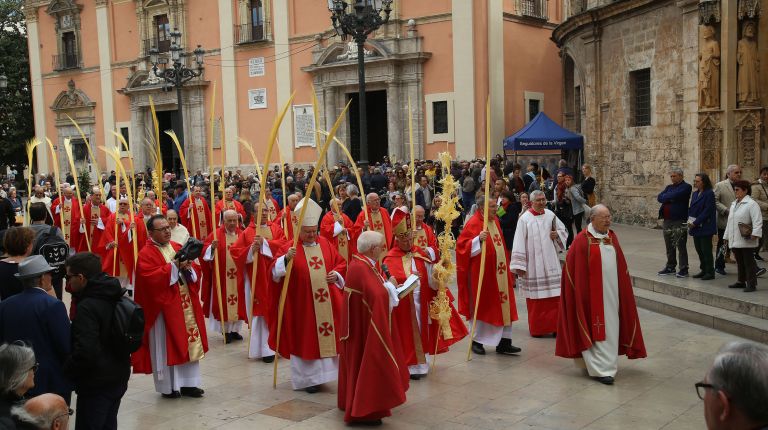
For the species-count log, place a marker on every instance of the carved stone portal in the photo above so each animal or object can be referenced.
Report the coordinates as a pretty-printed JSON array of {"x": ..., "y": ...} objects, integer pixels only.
[
  {"x": 749, "y": 126},
  {"x": 710, "y": 142}
]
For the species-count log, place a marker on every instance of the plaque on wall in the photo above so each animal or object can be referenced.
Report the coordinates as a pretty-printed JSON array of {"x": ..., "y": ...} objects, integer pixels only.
[
  {"x": 256, "y": 67},
  {"x": 257, "y": 98},
  {"x": 304, "y": 126}
]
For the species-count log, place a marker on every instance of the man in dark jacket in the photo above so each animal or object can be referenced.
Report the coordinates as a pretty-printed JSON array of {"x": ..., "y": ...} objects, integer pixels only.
[
  {"x": 7, "y": 214},
  {"x": 100, "y": 372},
  {"x": 674, "y": 211}
]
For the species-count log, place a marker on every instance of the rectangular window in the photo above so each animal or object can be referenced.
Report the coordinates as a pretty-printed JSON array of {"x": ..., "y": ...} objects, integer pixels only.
[
  {"x": 534, "y": 8},
  {"x": 257, "y": 20},
  {"x": 440, "y": 117},
  {"x": 79, "y": 151},
  {"x": 640, "y": 94},
  {"x": 162, "y": 33},
  {"x": 69, "y": 56},
  {"x": 126, "y": 135},
  {"x": 533, "y": 108}
]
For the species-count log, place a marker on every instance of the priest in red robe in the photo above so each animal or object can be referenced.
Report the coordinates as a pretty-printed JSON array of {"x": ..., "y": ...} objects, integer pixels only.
[
  {"x": 229, "y": 202},
  {"x": 66, "y": 216},
  {"x": 373, "y": 378},
  {"x": 335, "y": 228},
  {"x": 417, "y": 332},
  {"x": 93, "y": 225},
  {"x": 375, "y": 219},
  {"x": 261, "y": 244},
  {"x": 598, "y": 315},
  {"x": 309, "y": 333},
  {"x": 227, "y": 294},
  {"x": 497, "y": 309},
  {"x": 288, "y": 219},
  {"x": 130, "y": 228},
  {"x": 424, "y": 237},
  {"x": 195, "y": 215},
  {"x": 174, "y": 335}
]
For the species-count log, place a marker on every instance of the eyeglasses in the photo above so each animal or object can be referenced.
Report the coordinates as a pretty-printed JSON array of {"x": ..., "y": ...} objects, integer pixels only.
[
  {"x": 701, "y": 388},
  {"x": 35, "y": 367},
  {"x": 69, "y": 412}
]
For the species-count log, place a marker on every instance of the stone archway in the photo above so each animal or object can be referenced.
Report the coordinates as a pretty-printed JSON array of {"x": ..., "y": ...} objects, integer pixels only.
[{"x": 391, "y": 65}]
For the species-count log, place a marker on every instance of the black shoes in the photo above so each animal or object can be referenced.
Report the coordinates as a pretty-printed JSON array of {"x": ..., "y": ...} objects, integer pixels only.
[
  {"x": 666, "y": 271},
  {"x": 698, "y": 275},
  {"x": 268, "y": 359},
  {"x": 760, "y": 271},
  {"x": 478, "y": 348},
  {"x": 416, "y": 377},
  {"x": 708, "y": 277},
  {"x": 313, "y": 389},
  {"x": 737, "y": 285},
  {"x": 682, "y": 274},
  {"x": 372, "y": 423},
  {"x": 750, "y": 289},
  {"x": 172, "y": 395},
  {"x": 192, "y": 392},
  {"x": 505, "y": 347},
  {"x": 720, "y": 272},
  {"x": 235, "y": 336},
  {"x": 607, "y": 380}
]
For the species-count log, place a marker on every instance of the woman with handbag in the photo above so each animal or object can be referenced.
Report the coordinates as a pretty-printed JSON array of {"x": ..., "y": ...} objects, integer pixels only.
[
  {"x": 742, "y": 233},
  {"x": 702, "y": 224}
]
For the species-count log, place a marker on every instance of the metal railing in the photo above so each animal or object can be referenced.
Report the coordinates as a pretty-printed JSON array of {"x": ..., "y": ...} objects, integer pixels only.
[
  {"x": 534, "y": 8},
  {"x": 153, "y": 43},
  {"x": 68, "y": 60},
  {"x": 246, "y": 33}
]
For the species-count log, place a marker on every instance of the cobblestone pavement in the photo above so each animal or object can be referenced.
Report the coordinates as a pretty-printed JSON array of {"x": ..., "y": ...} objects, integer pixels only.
[{"x": 533, "y": 390}]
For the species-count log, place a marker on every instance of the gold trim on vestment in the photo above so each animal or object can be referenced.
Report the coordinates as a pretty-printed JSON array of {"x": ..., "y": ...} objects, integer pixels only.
[
  {"x": 203, "y": 226},
  {"x": 420, "y": 359},
  {"x": 420, "y": 238},
  {"x": 230, "y": 276},
  {"x": 343, "y": 243},
  {"x": 265, "y": 232},
  {"x": 66, "y": 224},
  {"x": 321, "y": 299},
  {"x": 377, "y": 221},
  {"x": 576, "y": 298},
  {"x": 194, "y": 339},
  {"x": 500, "y": 269}
]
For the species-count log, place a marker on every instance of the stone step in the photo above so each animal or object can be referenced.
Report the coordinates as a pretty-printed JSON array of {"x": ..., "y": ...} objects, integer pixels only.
[
  {"x": 728, "y": 321},
  {"x": 711, "y": 293}
]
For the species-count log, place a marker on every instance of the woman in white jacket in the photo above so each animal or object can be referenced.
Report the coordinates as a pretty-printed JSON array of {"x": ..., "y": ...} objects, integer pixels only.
[{"x": 746, "y": 212}]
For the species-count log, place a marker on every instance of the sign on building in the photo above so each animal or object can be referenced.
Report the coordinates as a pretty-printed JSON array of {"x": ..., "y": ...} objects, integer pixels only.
[
  {"x": 304, "y": 125},
  {"x": 257, "y": 99},
  {"x": 256, "y": 67}
]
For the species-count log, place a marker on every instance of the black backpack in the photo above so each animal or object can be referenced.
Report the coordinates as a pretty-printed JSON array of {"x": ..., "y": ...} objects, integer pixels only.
[
  {"x": 127, "y": 326},
  {"x": 54, "y": 249}
]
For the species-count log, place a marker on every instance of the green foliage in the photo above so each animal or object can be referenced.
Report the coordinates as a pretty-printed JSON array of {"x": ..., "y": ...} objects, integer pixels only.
[
  {"x": 16, "y": 119},
  {"x": 84, "y": 181}
]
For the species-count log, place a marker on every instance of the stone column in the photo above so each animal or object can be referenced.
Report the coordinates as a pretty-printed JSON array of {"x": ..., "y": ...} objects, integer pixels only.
[
  {"x": 397, "y": 121},
  {"x": 729, "y": 30},
  {"x": 327, "y": 118},
  {"x": 138, "y": 151}
]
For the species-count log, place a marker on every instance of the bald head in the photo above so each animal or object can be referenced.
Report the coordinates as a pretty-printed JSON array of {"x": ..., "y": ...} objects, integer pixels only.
[
  {"x": 46, "y": 411},
  {"x": 293, "y": 200},
  {"x": 373, "y": 201},
  {"x": 418, "y": 214}
]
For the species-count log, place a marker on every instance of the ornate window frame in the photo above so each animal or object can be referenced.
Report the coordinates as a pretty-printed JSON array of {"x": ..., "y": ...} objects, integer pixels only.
[
  {"x": 147, "y": 10},
  {"x": 66, "y": 13},
  {"x": 243, "y": 27}
]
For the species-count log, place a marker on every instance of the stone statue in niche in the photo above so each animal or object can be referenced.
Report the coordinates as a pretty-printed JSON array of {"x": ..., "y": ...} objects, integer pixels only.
[
  {"x": 709, "y": 69},
  {"x": 747, "y": 84},
  {"x": 351, "y": 52}
]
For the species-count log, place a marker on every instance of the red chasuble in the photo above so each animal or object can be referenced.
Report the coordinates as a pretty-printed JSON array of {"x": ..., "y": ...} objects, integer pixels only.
[
  {"x": 124, "y": 247},
  {"x": 425, "y": 238},
  {"x": 185, "y": 336},
  {"x": 95, "y": 234},
  {"x": 196, "y": 217},
  {"x": 289, "y": 221},
  {"x": 378, "y": 221},
  {"x": 581, "y": 301},
  {"x": 223, "y": 205},
  {"x": 70, "y": 212},
  {"x": 231, "y": 283},
  {"x": 240, "y": 250},
  {"x": 303, "y": 328},
  {"x": 492, "y": 297},
  {"x": 340, "y": 242},
  {"x": 404, "y": 315},
  {"x": 372, "y": 376}
]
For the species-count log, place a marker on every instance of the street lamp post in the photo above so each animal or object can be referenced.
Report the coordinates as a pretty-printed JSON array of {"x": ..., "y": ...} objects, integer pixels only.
[
  {"x": 358, "y": 21},
  {"x": 176, "y": 75}
]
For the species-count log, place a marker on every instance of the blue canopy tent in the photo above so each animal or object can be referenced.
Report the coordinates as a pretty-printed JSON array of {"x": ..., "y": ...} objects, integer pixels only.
[{"x": 543, "y": 133}]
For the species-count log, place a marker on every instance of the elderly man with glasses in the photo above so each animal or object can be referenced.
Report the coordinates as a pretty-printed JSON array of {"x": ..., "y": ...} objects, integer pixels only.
[
  {"x": 735, "y": 388},
  {"x": 46, "y": 411}
]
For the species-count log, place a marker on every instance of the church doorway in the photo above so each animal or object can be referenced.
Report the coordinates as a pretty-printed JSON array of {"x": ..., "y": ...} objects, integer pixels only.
[
  {"x": 378, "y": 138},
  {"x": 167, "y": 121}
]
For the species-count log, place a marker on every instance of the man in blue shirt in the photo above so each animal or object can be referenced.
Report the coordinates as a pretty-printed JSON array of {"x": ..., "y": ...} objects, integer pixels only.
[{"x": 674, "y": 211}]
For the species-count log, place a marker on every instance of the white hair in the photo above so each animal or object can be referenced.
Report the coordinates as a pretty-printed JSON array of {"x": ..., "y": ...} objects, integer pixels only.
[
  {"x": 367, "y": 240},
  {"x": 598, "y": 208},
  {"x": 229, "y": 212}
]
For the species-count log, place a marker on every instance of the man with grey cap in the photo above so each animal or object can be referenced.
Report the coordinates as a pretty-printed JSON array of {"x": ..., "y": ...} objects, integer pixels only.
[{"x": 37, "y": 317}]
